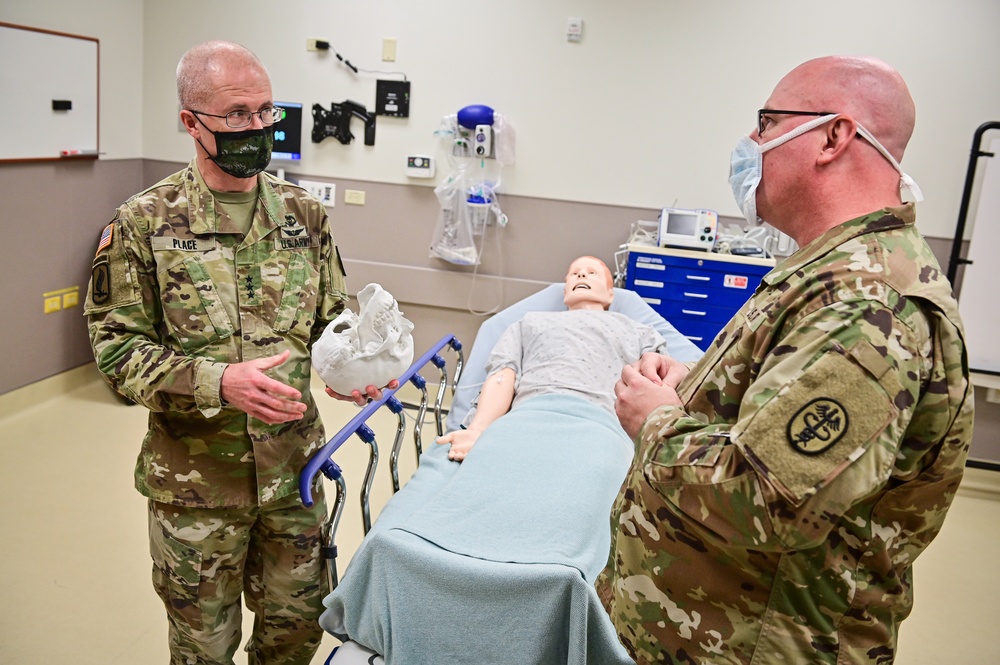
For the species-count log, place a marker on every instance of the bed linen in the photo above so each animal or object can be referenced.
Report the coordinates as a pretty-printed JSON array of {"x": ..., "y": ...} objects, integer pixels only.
[{"x": 493, "y": 560}]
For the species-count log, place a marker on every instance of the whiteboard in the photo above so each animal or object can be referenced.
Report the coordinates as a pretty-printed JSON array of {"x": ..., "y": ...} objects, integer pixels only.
[
  {"x": 40, "y": 66},
  {"x": 979, "y": 302}
]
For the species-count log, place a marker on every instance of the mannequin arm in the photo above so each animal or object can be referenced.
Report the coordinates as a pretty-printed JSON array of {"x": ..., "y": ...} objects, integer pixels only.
[{"x": 495, "y": 399}]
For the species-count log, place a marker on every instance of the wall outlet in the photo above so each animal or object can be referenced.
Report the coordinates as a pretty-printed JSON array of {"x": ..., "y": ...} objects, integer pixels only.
[
  {"x": 388, "y": 49},
  {"x": 313, "y": 44},
  {"x": 354, "y": 197},
  {"x": 61, "y": 299},
  {"x": 326, "y": 192}
]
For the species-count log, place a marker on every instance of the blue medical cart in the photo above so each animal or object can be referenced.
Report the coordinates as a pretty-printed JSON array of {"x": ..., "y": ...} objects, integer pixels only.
[{"x": 698, "y": 292}]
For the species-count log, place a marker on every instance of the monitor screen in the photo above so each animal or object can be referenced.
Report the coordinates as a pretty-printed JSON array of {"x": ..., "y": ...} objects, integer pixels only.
[
  {"x": 288, "y": 133},
  {"x": 685, "y": 224}
]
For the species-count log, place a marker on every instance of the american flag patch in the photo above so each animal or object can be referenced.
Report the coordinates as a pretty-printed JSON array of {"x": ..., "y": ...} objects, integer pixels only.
[{"x": 105, "y": 237}]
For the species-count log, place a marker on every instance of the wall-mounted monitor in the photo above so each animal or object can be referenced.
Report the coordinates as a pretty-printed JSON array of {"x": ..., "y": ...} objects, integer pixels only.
[{"x": 288, "y": 133}]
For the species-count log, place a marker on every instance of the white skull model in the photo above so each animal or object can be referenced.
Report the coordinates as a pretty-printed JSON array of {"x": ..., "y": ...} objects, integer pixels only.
[{"x": 356, "y": 351}]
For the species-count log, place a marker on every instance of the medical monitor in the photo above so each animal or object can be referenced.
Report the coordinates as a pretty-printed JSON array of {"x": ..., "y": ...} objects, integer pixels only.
[
  {"x": 688, "y": 229},
  {"x": 288, "y": 133}
]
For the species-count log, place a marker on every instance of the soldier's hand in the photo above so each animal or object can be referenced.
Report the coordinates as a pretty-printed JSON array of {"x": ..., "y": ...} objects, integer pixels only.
[
  {"x": 246, "y": 387},
  {"x": 659, "y": 368},
  {"x": 637, "y": 396},
  {"x": 371, "y": 394}
]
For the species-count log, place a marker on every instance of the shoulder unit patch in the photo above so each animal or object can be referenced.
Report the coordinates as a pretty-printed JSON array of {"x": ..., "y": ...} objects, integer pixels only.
[{"x": 817, "y": 426}]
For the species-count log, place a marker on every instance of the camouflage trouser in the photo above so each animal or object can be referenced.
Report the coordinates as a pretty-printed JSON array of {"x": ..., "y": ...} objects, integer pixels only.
[{"x": 204, "y": 558}]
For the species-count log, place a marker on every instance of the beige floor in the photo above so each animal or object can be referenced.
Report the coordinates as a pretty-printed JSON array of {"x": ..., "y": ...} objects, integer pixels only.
[{"x": 74, "y": 569}]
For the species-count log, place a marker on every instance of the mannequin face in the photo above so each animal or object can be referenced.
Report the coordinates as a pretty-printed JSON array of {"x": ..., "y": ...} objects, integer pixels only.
[{"x": 588, "y": 284}]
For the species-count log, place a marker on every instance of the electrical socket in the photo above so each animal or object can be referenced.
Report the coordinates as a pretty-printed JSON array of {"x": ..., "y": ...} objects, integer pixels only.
[
  {"x": 313, "y": 44},
  {"x": 354, "y": 196},
  {"x": 388, "y": 49},
  {"x": 326, "y": 192}
]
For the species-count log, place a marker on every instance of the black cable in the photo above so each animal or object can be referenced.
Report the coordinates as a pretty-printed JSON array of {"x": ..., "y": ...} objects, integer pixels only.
[{"x": 322, "y": 45}]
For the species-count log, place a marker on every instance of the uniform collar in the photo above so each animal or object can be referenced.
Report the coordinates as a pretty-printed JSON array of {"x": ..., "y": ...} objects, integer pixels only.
[
  {"x": 892, "y": 217},
  {"x": 204, "y": 217}
]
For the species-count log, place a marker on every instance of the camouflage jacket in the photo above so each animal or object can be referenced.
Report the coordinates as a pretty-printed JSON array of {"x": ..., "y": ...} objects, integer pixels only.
[
  {"x": 775, "y": 517},
  {"x": 177, "y": 293}
]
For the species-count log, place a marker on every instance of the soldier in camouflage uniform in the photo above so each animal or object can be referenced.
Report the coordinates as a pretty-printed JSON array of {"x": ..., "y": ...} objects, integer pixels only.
[
  {"x": 783, "y": 486},
  {"x": 208, "y": 291}
]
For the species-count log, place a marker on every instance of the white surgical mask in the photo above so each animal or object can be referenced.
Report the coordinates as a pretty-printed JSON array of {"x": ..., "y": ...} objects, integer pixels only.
[{"x": 747, "y": 166}]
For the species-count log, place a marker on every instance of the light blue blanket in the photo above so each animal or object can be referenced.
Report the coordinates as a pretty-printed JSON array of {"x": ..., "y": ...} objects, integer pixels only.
[{"x": 493, "y": 560}]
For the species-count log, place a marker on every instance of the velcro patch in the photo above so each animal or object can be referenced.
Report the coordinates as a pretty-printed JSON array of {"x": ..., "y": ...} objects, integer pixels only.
[
  {"x": 302, "y": 242},
  {"x": 100, "y": 281},
  {"x": 106, "y": 236},
  {"x": 816, "y": 425},
  {"x": 170, "y": 243}
]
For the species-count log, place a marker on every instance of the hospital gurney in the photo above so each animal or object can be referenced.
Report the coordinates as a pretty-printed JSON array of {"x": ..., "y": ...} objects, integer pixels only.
[{"x": 421, "y": 593}]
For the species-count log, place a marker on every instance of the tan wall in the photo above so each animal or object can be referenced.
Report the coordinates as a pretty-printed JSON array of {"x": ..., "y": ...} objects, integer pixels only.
[{"x": 52, "y": 214}]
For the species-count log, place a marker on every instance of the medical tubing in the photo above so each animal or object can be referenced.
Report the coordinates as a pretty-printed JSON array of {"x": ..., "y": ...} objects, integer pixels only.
[
  {"x": 319, "y": 461},
  {"x": 499, "y": 275}
]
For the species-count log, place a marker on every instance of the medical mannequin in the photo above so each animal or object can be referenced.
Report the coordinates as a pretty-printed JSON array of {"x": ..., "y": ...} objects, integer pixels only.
[{"x": 609, "y": 341}]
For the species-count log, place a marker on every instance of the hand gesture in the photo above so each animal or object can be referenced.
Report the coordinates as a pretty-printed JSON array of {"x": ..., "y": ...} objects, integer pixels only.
[
  {"x": 645, "y": 386},
  {"x": 246, "y": 387}
]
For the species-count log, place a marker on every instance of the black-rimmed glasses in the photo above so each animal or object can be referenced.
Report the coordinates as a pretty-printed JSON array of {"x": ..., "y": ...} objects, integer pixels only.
[
  {"x": 764, "y": 112},
  {"x": 238, "y": 119}
]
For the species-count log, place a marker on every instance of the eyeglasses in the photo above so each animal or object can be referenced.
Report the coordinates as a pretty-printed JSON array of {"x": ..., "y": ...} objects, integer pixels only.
[
  {"x": 237, "y": 119},
  {"x": 765, "y": 112}
]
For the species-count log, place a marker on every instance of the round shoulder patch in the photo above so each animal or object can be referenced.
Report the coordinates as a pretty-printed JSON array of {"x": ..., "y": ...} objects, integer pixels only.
[{"x": 817, "y": 426}]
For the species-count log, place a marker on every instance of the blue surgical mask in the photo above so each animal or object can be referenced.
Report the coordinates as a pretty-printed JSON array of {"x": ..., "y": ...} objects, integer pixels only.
[{"x": 747, "y": 166}]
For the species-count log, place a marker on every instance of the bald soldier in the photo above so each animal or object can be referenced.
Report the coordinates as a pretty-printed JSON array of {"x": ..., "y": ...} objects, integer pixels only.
[
  {"x": 208, "y": 291},
  {"x": 783, "y": 485}
]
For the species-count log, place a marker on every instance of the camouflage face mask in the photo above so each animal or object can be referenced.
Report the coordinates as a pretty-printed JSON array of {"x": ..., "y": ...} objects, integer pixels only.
[{"x": 243, "y": 154}]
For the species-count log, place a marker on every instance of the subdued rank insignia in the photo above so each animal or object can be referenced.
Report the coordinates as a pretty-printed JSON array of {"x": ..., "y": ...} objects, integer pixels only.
[
  {"x": 754, "y": 316},
  {"x": 101, "y": 282},
  {"x": 817, "y": 426},
  {"x": 291, "y": 228}
]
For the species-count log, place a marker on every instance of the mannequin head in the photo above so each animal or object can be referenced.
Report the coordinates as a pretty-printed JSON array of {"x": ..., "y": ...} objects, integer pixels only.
[{"x": 589, "y": 284}]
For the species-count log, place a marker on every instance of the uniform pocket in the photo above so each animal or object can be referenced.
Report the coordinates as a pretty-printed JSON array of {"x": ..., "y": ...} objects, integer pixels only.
[
  {"x": 296, "y": 309},
  {"x": 176, "y": 574},
  {"x": 192, "y": 305}
]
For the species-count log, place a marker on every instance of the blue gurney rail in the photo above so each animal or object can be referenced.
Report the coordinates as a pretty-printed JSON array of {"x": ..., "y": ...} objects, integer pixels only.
[{"x": 322, "y": 462}]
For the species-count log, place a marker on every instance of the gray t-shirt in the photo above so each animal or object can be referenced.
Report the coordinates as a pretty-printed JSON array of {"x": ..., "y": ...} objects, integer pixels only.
[{"x": 575, "y": 352}]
